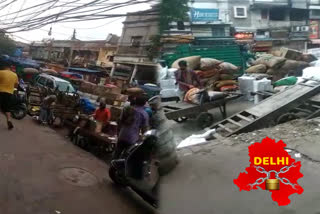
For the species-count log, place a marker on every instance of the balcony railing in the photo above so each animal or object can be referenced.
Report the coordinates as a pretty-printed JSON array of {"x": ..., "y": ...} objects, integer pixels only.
[
  {"x": 270, "y": 3},
  {"x": 132, "y": 50}
]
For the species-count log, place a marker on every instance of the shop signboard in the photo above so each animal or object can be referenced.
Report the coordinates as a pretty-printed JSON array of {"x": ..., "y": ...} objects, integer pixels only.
[
  {"x": 314, "y": 29},
  {"x": 244, "y": 36},
  {"x": 204, "y": 15}
]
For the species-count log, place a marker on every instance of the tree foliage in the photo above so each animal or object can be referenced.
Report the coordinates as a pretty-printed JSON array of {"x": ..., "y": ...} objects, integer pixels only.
[
  {"x": 172, "y": 10},
  {"x": 154, "y": 49},
  {"x": 7, "y": 45},
  {"x": 169, "y": 11}
]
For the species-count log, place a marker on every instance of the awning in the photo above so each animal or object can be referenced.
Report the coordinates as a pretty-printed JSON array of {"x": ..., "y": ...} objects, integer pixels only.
[
  {"x": 84, "y": 70},
  {"x": 71, "y": 75},
  {"x": 245, "y": 29}
]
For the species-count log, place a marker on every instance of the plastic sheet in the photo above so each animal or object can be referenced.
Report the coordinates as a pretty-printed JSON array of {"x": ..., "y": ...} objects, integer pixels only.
[
  {"x": 246, "y": 86},
  {"x": 196, "y": 139}
]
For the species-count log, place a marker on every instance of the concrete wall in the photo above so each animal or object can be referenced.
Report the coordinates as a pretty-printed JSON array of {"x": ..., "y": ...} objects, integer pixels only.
[
  {"x": 260, "y": 23},
  {"x": 240, "y": 22},
  {"x": 103, "y": 56},
  {"x": 144, "y": 26}
]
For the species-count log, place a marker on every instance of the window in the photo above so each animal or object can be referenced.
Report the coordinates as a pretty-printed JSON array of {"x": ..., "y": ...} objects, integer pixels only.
[
  {"x": 65, "y": 86},
  {"x": 136, "y": 41},
  {"x": 315, "y": 13},
  {"x": 277, "y": 14},
  {"x": 264, "y": 13},
  {"x": 218, "y": 32},
  {"x": 298, "y": 15},
  {"x": 50, "y": 84},
  {"x": 180, "y": 25},
  {"x": 240, "y": 12},
  {"x": 110, "y": 58}
]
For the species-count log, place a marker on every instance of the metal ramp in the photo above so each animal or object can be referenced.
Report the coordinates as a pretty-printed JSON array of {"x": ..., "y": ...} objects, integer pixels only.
[{"x": 267, "y": 111}]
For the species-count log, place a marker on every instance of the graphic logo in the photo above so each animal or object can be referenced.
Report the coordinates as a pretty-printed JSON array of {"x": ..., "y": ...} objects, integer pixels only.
[{"x": 273, "y": 169}]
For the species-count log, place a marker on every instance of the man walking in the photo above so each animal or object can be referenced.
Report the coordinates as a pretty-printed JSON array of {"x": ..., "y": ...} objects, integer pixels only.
[
  {"x": 8, "y": 81},
  {"x": 134, "y": 121}
]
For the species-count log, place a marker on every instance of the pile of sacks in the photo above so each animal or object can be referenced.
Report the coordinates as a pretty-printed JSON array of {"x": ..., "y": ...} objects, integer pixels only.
[
  {"x": 98, "y": 90},
  {"x": 211, "y": 71},
  {"x": 277, "y": 67}
]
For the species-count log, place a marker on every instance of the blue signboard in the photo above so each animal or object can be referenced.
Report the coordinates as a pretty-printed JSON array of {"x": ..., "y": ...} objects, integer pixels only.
[{"x": 204, "y": 15}]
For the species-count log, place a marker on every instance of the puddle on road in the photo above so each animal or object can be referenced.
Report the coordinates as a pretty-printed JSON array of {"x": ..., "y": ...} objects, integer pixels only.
[{"x": 78, "y": 177}]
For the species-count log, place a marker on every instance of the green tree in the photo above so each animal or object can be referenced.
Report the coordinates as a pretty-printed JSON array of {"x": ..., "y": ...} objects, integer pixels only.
[
  {"x": 172, "y": 10},
  {"x": 7, "y": 45},
  {"x": 169, "y": 11}
]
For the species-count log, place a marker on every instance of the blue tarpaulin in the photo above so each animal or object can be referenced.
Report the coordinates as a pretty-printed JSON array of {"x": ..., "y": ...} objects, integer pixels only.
[
  {"x": 85, "y": 70},
  {"x": 71, "y": 74},
  {"x": 26, "y": 63}
]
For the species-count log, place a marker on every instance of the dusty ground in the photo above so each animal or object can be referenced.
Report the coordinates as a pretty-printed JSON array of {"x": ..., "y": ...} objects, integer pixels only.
[
  {"x": 204, "y": 177},
  {"x": 43, "y": 173},
  {"x": 184, "y": 130}
]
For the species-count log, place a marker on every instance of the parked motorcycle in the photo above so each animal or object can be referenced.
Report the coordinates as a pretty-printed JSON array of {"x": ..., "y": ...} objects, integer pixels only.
[
  {"x": 19, "y": 102},
  {"x": 137, "y": 169}
]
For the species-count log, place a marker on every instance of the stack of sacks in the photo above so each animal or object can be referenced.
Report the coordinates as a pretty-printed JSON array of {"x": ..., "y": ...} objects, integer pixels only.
[
  {"x": 227, "y": 73},
  {"x": 211, "y": 71},
  {"x": 193, "y": 62},
  {"x": 268, "y": 66},
  {"x": 87, "y": 87}
]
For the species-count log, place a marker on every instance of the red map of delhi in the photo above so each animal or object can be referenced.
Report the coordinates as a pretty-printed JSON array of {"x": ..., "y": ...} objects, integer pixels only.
[{"x": 270, "y": 148}]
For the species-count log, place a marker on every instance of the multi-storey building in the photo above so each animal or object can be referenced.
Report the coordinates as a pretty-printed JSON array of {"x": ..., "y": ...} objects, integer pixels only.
[{"x": 266, "y": 23}]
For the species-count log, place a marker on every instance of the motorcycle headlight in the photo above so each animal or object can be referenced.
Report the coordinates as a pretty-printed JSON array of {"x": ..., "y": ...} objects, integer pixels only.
[{"x": 76, "y": 118}]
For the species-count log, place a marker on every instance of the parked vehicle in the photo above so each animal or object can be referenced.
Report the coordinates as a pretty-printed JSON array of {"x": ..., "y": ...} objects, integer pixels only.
[
  {"x": 53, "y": 83},
  {"x": 19, "y": 110},
  {"x": 137, "y": 169}
]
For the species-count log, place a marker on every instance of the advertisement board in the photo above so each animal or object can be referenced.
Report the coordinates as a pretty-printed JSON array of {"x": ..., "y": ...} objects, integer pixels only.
[
  {"x": 204, "y": 15},
  {"x": 314, "y": 29}
]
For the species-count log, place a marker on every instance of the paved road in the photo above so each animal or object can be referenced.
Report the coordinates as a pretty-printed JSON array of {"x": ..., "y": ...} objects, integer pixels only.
[
  {"x": 43, "y": 173},
  {"x": 189, "y": 127},
  {"x": 203, "y": 181}
]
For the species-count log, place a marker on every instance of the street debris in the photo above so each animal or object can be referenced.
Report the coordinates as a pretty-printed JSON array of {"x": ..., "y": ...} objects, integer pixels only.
[{"x": 196, "y": 139}]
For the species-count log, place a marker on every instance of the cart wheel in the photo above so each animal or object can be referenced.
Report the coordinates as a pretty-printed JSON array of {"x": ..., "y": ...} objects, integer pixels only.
[
  {"x": 205, "y": 120},
  {"x": 286, "y": 118},
  {"x": 181, "y": 119}
]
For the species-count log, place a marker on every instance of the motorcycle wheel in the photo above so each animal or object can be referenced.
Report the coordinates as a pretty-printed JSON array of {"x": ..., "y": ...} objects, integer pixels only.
[
  {"x": 19, "y": 114},
  {"x": 114, "y": 177}
]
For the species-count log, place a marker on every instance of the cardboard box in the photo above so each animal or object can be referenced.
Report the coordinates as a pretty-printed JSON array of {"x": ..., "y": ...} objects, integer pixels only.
[{"x": 291, "y": 54}]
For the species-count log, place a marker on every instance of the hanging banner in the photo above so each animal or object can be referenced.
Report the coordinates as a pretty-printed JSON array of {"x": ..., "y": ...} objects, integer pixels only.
[
  {"x": 204, "y": 15},
  {"x": 314, "y": 29}
]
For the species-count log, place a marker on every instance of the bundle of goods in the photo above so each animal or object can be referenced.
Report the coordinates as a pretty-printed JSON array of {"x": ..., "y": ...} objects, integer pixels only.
[
  {"x": 211, "y": 70},
  {"x": 49, "y": 71},
  {"x": 87, "y": 87},
  {"x": 275, "y": 67},
  {"x": 226, "y": 85},
  {"x": 134, "y": 91},
  {"x": 192, "y": 96},
  {"x": 31, "y": 71},
  {"x": 98, "y": 90},
  {"x": 296, "y": 55},
  {"x": 192, "y": 61}
]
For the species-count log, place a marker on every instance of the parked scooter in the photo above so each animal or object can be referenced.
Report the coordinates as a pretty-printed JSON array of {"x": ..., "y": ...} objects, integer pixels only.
[
  {"x": 19, "y": 102},
  {"x": 137, "y": 169}
]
